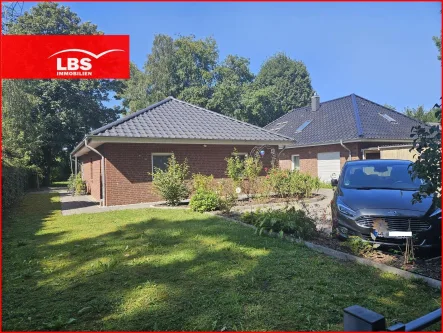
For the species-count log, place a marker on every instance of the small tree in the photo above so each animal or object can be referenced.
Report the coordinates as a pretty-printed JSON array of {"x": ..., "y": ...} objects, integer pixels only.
[
  {"x": 252, "y": 168},
  {"x": 235, "y": 169},
  {"x": 171, "y": 183},
  {"x": 427, "y": 143}
]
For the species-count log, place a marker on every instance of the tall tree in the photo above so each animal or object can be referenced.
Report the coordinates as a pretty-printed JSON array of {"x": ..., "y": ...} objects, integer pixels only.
[
  {"x": 421, "y": 114},
  {"x": 63, "y": 110},
  {"x": 181, "y": 67},
  {"x": 290, "y": 81},
  {"x": 232, "y": 78}
]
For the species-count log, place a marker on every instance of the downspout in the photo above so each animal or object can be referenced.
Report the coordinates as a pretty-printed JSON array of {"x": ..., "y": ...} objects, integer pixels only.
[
  {"x": 103, "y": 170},
  {"x": 349, "y": 150}
]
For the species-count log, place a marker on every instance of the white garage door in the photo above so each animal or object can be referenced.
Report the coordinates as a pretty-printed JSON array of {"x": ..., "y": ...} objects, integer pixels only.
[{"x": 328, "y": 163}]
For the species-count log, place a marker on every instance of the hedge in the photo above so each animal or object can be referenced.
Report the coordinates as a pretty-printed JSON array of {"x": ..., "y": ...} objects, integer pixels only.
[{"x": 14, "y": 184}]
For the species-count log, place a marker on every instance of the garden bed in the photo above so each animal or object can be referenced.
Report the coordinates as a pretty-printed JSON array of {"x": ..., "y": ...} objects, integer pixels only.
[{"x": 424, "y": 264}]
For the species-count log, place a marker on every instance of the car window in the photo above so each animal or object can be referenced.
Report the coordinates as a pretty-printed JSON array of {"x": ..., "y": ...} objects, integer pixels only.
[{"x": 393, "y": 176}]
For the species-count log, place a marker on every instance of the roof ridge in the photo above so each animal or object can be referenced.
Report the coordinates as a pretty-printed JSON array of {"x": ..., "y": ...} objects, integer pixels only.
[
  {"x": 232, "y": 119},
  {"x": 357, "y": 115},
  {"x": 302, "y": 107},
  {"x": 130, "y": 116},
  {"x": 395, "y": 111}
]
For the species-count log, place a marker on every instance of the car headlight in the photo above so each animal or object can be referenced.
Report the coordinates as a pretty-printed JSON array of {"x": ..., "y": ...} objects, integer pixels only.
[
  {"x": 345, "y": 210},
  {"x": 436, "y": 213}
]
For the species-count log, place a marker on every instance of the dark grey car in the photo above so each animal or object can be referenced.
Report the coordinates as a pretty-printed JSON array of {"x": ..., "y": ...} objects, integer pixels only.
[{"x": 373, "y": 199}]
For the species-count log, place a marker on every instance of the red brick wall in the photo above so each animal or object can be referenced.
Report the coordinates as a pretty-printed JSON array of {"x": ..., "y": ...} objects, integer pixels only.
[
  {"x": 127, "y": 167},
  {"x": 91, "y": 165},
  {"x": 308, "y": 156}
]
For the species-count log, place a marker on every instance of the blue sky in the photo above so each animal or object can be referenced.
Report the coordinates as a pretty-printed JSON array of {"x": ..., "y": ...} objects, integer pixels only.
[{"x": 381, "y": 51}]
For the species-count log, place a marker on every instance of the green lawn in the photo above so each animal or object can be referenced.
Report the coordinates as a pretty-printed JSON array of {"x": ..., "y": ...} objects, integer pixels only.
[
  {"x": 60, "y": 184},
  {"x": 177, "y": 270}
]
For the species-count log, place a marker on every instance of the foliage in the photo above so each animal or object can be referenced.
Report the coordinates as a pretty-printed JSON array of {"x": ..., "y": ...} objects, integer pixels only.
[
  {"x": 281, "y": 85},
  {"x": 141, "y": 252},
  {"x": 252, "y": 168},
  {"x": 204, "y": 201},
  {"x": 427, "y": 143},
  {"x": 280, "y": 180},
  {"x": 422, "y": 115},
  {"x": 235, "y": 168},
  {"x": 437, "y": 41},
  {"x": 76, "y": 185},
  {"x": 287, "y": 183},
  {"x": 290, "y": 221},
  {"x": 357, "y": 246},
  {"x": 227, "y": 195},
  {"x": 171, "y": 183},
  {"x": 62, "y": 111},
  {"x": 14, "y": 183},
  {"x": 202, "y": 182},
  {"x": 189, "y": 69}
]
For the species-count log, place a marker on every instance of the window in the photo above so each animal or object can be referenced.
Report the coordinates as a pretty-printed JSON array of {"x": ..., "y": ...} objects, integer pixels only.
[
  {"x": 278, "y": 126},
  {"x": 295, "y": 162},
  {"x": 303, "y": 126},
  {"x": 160, "y": 161},
  {"x": 390, "y": 119}
]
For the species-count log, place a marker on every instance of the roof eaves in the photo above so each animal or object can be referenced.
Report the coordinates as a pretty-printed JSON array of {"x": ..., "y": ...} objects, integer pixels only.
[{"x": 131, "y": 116}]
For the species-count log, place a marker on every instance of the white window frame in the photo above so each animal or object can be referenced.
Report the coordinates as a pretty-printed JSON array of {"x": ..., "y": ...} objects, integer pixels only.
[
  {"x": 158, "y": 154},
  {"x": 292, "y": 162}
]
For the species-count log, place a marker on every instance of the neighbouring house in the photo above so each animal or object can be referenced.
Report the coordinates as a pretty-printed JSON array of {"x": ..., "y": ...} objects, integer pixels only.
[
  {"x": 400, "y": 152},
  {"x": 116, "y": 160},
  {"x": 327, "y": 134}
]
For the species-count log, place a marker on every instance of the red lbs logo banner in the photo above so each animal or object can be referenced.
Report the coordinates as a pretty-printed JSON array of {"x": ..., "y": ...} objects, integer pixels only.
[{"x": 65, "y": 57}]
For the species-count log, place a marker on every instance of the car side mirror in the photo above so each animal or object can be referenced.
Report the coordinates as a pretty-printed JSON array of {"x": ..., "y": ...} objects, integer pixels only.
[{"x": 334, "y": 182}]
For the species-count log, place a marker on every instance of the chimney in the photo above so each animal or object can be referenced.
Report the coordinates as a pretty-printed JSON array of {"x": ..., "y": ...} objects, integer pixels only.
[{"x": 315, "y": 102}]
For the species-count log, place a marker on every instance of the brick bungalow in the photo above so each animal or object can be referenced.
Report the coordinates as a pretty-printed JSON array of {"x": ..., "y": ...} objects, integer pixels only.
[
  {"x": 116, "y": 159},
  {"x": 329, "y": 133}
]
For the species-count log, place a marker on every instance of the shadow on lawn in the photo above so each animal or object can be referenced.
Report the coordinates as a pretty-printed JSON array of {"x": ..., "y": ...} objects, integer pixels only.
[{"x": 189, "y": 274}]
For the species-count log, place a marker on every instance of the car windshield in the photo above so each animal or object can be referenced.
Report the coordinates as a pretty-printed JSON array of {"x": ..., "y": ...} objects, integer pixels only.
[{"x": 378, "y": 175}]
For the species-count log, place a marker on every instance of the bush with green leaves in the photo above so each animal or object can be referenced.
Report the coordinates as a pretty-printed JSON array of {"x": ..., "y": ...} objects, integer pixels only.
[
  {"x": 287, "y": 183},
  {"x": 252, "y": 166},
  {"x": 14, "y": 183},
  {"x": 204, "y": 201},
  {"x": 76, "y": 185},
  {"x": 235, "y": 168},
  {"x": 171, "y": 183},
  {"x": 358, "y": 246},
  {"x": 288, "y": 221},
  {"x": 202, "y": 182}
]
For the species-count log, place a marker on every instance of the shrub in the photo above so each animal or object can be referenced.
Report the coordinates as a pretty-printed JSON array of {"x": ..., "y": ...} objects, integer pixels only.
[
  {"x": 252, "y": 168},
  {"x": 171, "y": 183},
  {"x": 286, "y": 183},
  {"x": 204, "y": 201},
  {"x": 227, "y": 195},
  {"x": 202, "y": 182},
  {"x": 280, "y": 181},
  {"x": 288, "y": 220},
  {"x": 76, "y": 185},
  {"x": 357, "y": 246},
  {"x": 235, "y": 169},
  {"x": 14, "y": 183}
]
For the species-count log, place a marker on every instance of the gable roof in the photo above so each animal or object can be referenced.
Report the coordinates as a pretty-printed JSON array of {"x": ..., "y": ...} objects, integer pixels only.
[{"x": 349, "y": 118}]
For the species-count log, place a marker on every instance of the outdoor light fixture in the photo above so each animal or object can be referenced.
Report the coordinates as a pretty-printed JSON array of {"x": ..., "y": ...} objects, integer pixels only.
[{"x": 262, "y": 152}]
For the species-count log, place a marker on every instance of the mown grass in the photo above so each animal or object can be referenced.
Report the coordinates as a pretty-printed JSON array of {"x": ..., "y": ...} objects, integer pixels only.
[
  {"x": 60, "y": 184},
  {"x": 177, "y": 270}
]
